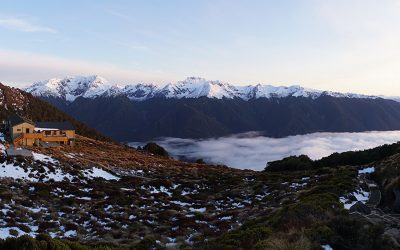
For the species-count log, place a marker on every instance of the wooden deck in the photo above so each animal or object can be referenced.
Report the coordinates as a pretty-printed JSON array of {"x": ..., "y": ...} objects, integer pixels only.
[{"x": 41, "y": 137}]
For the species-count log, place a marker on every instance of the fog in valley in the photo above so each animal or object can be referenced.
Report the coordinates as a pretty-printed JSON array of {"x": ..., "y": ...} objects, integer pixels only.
[{"x": 253, "y": 151}]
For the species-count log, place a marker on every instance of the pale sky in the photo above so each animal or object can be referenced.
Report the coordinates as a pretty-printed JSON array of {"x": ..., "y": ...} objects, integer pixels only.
[{"x": 341, "y": 45}]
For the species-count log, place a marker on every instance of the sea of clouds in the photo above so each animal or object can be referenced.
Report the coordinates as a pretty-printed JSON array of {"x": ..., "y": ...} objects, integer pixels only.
[{"x": 253, "y": 151}]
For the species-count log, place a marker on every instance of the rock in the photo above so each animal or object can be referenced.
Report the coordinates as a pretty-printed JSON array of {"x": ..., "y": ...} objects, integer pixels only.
[
  {"x": 156, "y": 149},
  {"x": 396, "y": 204},
  {"x": 360, "y": 207}
]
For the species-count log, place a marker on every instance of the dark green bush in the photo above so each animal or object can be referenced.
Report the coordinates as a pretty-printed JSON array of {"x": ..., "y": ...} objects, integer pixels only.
[
  {"x": 45, "y": 242},
  {"x": 245, "y": 238},
  {"x": 291, "y": 163},
  {"x": 156, "y": 149},
  {"x": 353, "y": 158}
]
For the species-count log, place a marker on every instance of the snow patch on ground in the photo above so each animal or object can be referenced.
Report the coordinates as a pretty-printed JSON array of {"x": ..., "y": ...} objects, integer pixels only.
[
  {"x": 326, "y": 247},
  {"x": 16, "y": 172},
  {"x": 44, "y": 158},
  {"x": 36, "y": 174},
  {"x": 359, "y": 194},
  {"x": 2, "y": 147},
  {"x": 5, "y": 232},
  {"x": 226, "y": 218},
  {"x": 367, "y": 170},
  {"x": 70, "y": 233},
  {"x": 198, "y": 210},
  {"x": 181, "y": 203},
  {"x": 95, "y": 172}
]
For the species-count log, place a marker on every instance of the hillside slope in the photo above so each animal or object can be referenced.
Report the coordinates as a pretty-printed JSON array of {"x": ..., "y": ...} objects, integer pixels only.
[
  {"x": 13, "y": 100},
  {"x": 125, "y": 120},
  {"x": 103, "y": 192}
]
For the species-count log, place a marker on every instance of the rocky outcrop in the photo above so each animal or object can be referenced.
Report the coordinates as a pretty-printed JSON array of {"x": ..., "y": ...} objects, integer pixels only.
[
  {"x": 396, "y": 204},
  {"x": 360, "y": 207}
]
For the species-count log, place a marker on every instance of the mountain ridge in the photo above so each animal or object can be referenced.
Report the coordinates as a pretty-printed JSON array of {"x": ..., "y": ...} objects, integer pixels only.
[
  {"x": 197, "y": 108},
  {"x": 91, "y": 87}
]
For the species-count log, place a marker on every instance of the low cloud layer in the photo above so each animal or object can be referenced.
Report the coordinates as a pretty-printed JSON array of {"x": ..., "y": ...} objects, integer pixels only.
[{"x": 251, "y": 151}]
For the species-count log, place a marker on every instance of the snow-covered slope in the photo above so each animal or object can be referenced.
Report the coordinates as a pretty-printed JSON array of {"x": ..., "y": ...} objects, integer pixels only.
[
  {"x": 194, "y": 87},
  {"x": 71, "y": 88},
  {"x": 140, "y": 92}
]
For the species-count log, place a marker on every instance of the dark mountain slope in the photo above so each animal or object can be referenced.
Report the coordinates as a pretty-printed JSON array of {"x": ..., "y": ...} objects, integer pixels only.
[
  {"x": 127, "y": 120},
  {"x": 13, "y": 100}
]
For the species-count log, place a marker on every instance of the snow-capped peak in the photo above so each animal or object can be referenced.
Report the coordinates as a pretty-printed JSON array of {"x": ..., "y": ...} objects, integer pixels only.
[
  {"x": 195, "y": 87},
  {"x": 140, "y": 92},
  {"x": 71, "y": 88}
]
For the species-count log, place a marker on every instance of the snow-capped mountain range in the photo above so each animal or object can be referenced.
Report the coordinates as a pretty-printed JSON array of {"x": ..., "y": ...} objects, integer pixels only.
[{"x": 71, "y": 88}]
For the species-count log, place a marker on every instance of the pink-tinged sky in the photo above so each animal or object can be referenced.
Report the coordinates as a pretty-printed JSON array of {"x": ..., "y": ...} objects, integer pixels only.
[{"x": 341, "y": 45}]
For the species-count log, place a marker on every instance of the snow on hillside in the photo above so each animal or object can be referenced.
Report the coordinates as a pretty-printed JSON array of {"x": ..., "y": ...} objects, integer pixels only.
[
  {"x": 45, "y": 168},
  {"x": 99, "y": 173},
  {"x": 41, "y": 173},
  {"x": 71, "y": 88}
]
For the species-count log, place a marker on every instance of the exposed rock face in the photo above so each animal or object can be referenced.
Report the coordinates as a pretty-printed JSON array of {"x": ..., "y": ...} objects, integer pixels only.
[
  {"x": 360, "y": 207},
  {"x": 396, "y": 204}
]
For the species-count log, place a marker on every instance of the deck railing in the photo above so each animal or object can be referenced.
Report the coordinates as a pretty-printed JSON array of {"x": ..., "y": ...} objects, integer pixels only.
[
  {"x": 32, "y": 135},
  {"x": 40, "y": 136}
]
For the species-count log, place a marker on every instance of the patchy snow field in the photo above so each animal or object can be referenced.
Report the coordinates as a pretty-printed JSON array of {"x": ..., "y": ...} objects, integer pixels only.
[{"x": 360, "y": 194}]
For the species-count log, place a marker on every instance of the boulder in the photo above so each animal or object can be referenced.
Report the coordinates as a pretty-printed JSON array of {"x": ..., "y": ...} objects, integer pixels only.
[{"x": 360, "y": 207}]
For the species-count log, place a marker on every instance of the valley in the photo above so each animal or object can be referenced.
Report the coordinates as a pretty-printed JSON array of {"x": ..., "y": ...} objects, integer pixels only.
[
  {"x": 253, "y": 151},
  {"x": 198, "y": 108}
]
